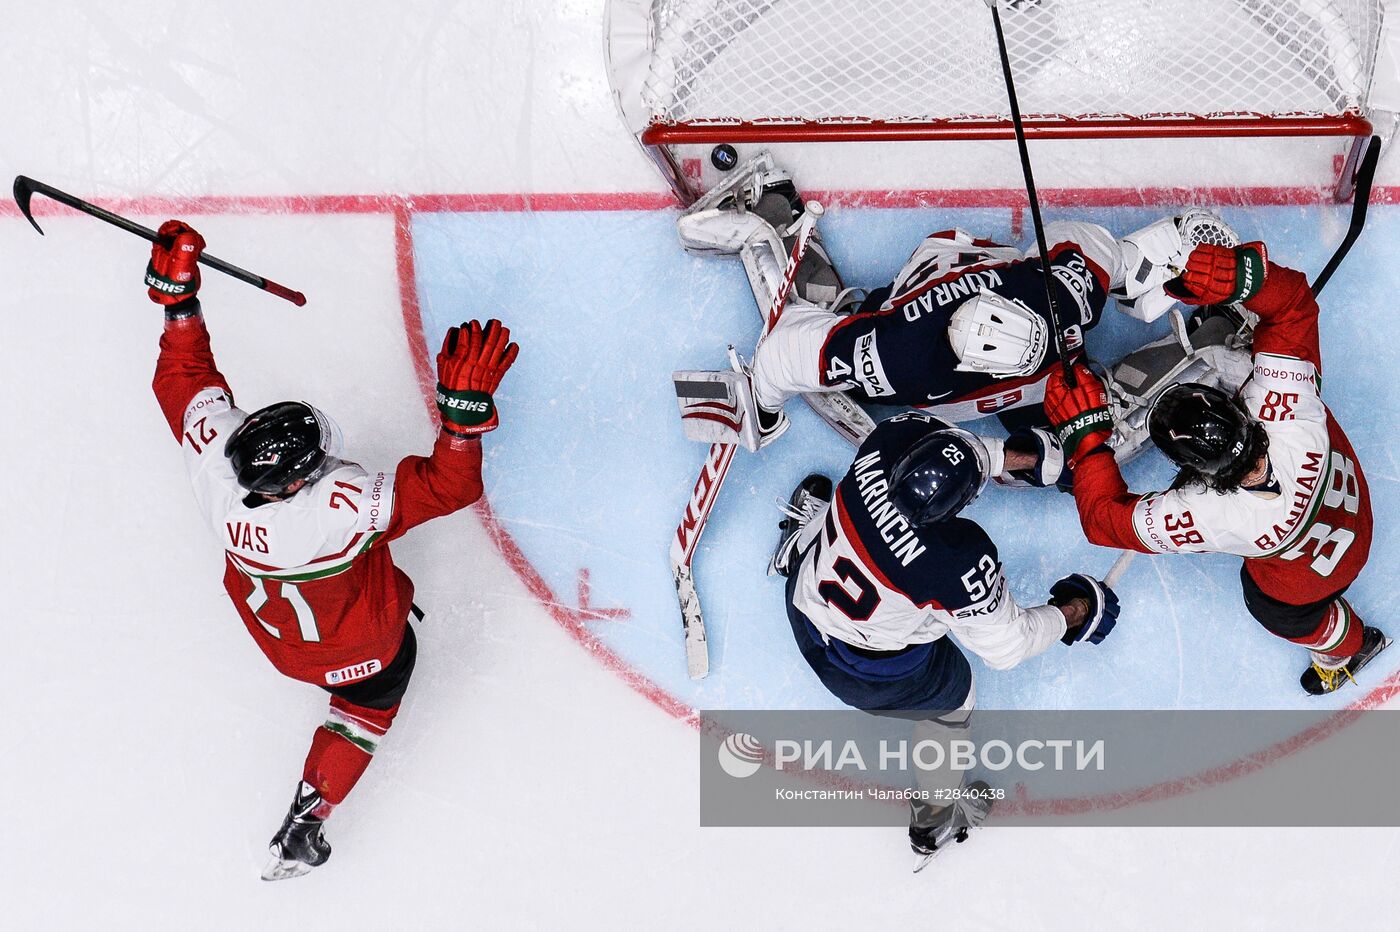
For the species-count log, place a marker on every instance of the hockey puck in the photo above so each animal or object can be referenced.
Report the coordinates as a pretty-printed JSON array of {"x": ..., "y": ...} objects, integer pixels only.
[{"x": 724, "y": 157}]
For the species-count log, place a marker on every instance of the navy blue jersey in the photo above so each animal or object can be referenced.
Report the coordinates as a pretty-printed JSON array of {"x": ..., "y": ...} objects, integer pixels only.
[
  {"x": 900, "y": 354},
  {"x": 876, "y": 581}
]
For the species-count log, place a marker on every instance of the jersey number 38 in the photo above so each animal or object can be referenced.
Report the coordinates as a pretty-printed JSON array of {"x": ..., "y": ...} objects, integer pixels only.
[{"x": 1325, "y": 543}]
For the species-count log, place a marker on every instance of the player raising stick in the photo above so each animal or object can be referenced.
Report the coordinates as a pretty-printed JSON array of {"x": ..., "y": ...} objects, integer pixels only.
[
  {"x": 1267, "y": 474},
  {"x": 306, "y": 534}
]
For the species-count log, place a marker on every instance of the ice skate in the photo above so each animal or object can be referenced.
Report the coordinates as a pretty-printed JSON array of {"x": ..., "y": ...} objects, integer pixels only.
[
  {"x": 807, "y": 501},
  {"x": 298, "y": 845},
  {"x": 950, "y": 825},
  {"x": 1318, "y": 680}
]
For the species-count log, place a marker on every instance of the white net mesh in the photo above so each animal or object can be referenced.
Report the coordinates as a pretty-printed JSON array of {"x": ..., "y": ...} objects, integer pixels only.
[{"x": 783, "y": 61}]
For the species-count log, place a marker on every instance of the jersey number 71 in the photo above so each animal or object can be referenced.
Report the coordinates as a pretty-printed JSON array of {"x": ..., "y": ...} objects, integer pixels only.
[{"x": 263, "y": 598}]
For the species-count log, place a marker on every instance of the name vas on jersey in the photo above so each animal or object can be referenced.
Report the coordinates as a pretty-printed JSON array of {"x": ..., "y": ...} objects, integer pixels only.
[
  {"x": 311, "y": 576},
  {"x": 874, "y": 581}
]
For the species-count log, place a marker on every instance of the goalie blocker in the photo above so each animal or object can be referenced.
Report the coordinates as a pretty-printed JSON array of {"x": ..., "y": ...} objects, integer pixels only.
[{"x": 719, "y": 407}]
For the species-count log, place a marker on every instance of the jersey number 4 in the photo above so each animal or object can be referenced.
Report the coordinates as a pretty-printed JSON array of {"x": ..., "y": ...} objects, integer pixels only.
[{"x": 261, "y": 600}]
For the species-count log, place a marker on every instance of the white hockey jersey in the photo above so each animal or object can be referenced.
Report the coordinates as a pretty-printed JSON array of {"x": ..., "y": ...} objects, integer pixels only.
[
  {"x": 311, "y": 577},
  {"x": 876, "y": 582}
]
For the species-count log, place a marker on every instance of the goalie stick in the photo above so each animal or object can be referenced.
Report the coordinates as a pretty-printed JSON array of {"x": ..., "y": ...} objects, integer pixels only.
[{"x": 711, "y": 479}]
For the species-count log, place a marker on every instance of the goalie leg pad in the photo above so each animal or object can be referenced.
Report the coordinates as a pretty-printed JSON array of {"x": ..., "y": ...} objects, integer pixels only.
[
  {"x": 742, "y": 186},
  {"x": 719, "y": 407},
  {"x": 717, "y": 232},
  {"x": 817, "y": 280},
  {"x": 1213, "y": 354},
  {"x": 788, "y": 361},
  {"x": 753, "y": 215}
]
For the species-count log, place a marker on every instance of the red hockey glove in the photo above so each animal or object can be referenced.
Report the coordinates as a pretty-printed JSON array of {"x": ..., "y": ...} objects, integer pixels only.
[
  {"x": 172, "y": 275},
  {"x": 1079, "y": 415},
  {"x": 1221, "y": 274},
  {"x": 470, "y": 368}
]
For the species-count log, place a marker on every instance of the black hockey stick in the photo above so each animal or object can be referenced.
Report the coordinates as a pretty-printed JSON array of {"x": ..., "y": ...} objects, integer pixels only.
[
  {"x": 26, "y": 188},
  {"x": 1030, "y": 193},
  {"x": 1361, "y": 199}
]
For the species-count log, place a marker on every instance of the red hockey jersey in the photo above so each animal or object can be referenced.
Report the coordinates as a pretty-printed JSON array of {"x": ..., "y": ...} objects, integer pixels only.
[
  {"x": 1302, "y": 540},
  {"x": 312, "y": 576}
]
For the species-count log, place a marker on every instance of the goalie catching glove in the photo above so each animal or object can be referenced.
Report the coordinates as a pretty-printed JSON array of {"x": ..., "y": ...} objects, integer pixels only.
[
  {"x": 470, "y": 367},
  {"x": 1102, "y": 602},
  {"x": 1221, "y": 274},
  {"x": 1156, "y": 254},
  {"x": 172, "y": 275},
  {"x": 1080, "y": 414}
]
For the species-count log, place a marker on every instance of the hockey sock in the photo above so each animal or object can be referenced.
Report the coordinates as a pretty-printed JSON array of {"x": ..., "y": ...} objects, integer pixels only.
[
  {"x": 342, "y": 748},
  {"x": 1337, "y": 638}
]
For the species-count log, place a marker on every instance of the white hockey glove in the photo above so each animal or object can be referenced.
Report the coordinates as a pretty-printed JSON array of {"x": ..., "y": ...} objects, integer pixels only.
[{"x": 1049, "y": 465}]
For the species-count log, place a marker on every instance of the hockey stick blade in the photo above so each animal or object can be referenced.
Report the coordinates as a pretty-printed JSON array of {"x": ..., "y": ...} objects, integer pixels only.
[
  {"x": 25, "y": 188},
  {"x": 683, "y": 544},
  {"x": 24, "y": 193},
  {"x": 697, "y": 651}
]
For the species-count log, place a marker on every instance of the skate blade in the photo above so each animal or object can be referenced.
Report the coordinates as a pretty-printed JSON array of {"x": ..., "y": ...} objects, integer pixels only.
[
  {"x": 922, "y": 860},
  {"x": 279, "y": 869},
  {"x": 1385, "y": 642}
]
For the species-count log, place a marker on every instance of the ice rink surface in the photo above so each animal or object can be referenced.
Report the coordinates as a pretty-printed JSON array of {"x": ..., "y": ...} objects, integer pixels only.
[{"x": 409, "y": 166}]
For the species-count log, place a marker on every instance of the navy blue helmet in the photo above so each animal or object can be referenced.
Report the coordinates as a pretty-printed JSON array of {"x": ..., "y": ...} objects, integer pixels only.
[{"x": 938, "y": 476}]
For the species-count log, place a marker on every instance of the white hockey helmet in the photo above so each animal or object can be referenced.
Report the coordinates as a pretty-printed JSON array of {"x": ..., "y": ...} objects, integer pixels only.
[{"x": 997, "y": 335}]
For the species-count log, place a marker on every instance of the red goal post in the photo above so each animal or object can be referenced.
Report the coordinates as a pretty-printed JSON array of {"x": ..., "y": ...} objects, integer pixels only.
[{"x": 688, "y": 72}]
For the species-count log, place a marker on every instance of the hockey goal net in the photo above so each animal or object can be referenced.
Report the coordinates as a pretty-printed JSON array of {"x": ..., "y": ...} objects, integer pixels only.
[{"x": 711, "y": 71}]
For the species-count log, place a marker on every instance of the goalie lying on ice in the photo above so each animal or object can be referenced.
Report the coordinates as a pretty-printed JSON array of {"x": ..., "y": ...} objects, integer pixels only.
[{"x": 964, "y": 330}]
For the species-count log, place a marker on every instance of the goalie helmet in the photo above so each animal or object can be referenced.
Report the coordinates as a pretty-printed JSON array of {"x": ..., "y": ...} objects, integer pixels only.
[
  {"x": 280, "y": 444},
  {"x": 998, "y": 336},
  {"x": 1205, "y": 431},
  {"x": 939, "y": 476}
]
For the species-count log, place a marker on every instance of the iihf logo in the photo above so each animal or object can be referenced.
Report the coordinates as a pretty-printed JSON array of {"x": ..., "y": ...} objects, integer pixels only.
[{"x": 740, "y": 755}]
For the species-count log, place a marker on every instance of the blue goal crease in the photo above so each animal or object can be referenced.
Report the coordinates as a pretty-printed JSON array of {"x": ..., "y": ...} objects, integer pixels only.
[{"x": 589, "y": 470}]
